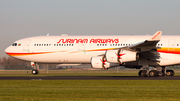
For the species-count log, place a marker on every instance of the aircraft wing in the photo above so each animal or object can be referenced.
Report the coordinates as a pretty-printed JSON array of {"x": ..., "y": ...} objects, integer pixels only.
[{"x": 148, "y": 44}]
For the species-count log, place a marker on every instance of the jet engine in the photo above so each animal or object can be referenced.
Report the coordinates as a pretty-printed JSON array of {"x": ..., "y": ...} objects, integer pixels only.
[
  {"x": 121, "y": 55},
  {"x": 100, "y": 62}
]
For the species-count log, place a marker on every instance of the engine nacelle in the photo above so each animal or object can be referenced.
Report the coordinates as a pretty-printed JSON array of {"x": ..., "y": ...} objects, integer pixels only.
[
  {"x": 121, "y": 55},
  {"x": 100, "y": 62}
]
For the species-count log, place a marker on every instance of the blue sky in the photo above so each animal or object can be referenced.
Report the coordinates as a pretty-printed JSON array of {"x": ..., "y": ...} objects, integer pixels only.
[{"x": 26, "y": 18}]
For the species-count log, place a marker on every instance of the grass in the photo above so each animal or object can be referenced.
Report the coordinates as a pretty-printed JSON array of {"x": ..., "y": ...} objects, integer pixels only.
[{"x": 89, "y": 90}]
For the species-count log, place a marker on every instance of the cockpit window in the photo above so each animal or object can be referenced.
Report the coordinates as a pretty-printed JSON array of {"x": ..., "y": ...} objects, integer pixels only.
[{"x": 14, "y": 44}]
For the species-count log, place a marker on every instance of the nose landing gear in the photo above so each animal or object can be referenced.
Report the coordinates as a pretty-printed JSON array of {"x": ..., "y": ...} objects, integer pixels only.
[{"x": 35, "y": 71}]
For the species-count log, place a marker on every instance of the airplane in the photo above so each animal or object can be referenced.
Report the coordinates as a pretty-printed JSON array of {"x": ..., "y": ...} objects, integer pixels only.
[{"x": 150, "y": 54}]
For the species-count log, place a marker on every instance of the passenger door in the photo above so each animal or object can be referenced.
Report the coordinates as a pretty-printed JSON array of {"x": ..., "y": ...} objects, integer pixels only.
[
  {"x": 171, "y": 44},
  {"x": 27, "y": 45}
]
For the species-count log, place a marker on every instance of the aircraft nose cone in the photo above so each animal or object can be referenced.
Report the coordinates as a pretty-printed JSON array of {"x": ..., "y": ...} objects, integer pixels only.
[{"x": 7, "y": 50}]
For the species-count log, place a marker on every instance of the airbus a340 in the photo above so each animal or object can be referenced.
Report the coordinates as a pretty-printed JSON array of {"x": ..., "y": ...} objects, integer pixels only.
[{"x": 139, "y": 51}]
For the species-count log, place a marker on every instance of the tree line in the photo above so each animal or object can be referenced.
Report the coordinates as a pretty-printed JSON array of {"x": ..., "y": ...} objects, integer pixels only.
[{"x": 10, "y": 63}]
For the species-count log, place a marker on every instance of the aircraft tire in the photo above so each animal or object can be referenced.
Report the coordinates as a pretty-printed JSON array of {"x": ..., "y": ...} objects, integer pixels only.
[
  {"x": 153, "y": 73},
  {"x": 169, "y": 73},
  {"x": 35, "y": 71},
  {"x": 142, "y": 73}
]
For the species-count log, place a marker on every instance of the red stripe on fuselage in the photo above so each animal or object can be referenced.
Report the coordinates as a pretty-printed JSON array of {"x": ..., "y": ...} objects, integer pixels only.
[{"x": 23, "y": 54}]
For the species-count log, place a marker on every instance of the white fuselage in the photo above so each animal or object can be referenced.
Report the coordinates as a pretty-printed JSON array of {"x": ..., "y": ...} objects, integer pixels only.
[{"x": 80, "y": 49}]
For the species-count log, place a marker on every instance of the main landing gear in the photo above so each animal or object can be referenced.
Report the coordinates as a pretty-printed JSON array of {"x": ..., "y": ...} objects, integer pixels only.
[
  {"x": 169, "y": 73},
  {"x": 155, "y": 72},
  {"x": 35, "y": 71}
]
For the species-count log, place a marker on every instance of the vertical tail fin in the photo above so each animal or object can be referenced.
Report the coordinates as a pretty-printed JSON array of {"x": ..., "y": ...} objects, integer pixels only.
[{"x": 156, "y": 36}]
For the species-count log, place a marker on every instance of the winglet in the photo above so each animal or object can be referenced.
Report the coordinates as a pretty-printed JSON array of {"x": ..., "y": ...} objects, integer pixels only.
[{"x": 156, "y": 36}]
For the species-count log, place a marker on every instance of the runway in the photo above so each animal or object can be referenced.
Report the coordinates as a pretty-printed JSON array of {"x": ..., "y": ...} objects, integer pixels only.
[{"x": 87, "y": 78}]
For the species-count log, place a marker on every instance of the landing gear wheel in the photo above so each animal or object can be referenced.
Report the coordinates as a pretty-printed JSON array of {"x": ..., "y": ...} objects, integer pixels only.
[
  {"x": 35, "y": 71},
  {"x": 169, "y": 73},
  {"x": 142, "y": 73},
  {"x": 163, "y": 71},
  {"x": 162, "y": 74},
  {"x": 153, "y": 73}
]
